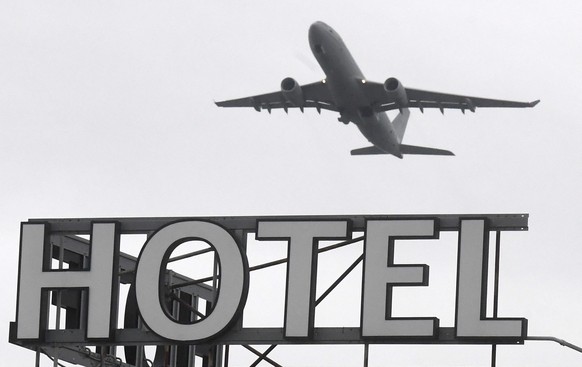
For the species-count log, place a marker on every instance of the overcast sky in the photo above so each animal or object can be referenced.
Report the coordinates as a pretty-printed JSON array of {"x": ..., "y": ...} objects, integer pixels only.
[{"x": 106, "y": 110}]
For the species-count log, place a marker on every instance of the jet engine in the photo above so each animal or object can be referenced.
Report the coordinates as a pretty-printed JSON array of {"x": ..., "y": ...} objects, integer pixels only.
[
  {"x": 292, "y": 92},
  {"x": 395, "y": 90}
]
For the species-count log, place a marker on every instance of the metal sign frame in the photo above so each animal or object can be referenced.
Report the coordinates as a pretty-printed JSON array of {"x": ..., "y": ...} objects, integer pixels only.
[{"x": 64, "y": 244}]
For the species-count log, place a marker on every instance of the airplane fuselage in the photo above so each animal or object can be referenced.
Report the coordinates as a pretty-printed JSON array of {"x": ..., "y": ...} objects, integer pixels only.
[{"x": 344, "y": 80}]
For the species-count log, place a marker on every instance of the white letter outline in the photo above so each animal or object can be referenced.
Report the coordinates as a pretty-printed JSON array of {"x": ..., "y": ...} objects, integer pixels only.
[
  {"x": 376, "y": 315},
  {"x": 471, "y": 299},
  {"x": 36, "y": 279},
  {"x": 302, "y": 251},
  {"x": 234, "y": 276}
]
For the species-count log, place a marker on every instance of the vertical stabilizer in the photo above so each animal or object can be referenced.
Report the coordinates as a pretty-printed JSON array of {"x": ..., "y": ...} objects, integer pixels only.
[{"x": 400, "y": 123}]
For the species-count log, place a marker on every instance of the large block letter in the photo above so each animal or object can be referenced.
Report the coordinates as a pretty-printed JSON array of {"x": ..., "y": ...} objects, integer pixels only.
[
  {"x": 35, "y": 277},
  {"x": 472, "y": 287},
  {"x": 233, "y": 280},
  {"x": 302, "y": 240},
  {"x": 381, "y": 275}
]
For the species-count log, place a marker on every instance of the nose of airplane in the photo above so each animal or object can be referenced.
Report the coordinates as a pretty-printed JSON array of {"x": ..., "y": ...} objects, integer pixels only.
[{"x": 316, "y": 30}]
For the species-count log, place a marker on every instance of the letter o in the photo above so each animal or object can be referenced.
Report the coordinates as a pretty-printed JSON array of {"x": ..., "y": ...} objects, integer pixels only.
[{"x": 233, "y": 280}]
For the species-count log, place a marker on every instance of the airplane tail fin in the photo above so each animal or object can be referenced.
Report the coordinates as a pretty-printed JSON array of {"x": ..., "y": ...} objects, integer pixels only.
[
  {"x": 400, "y": 123},
  {"x": 413, "y": 149}
]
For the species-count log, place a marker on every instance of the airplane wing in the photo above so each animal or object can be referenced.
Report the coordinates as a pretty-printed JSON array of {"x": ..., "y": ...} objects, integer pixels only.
[
  {"x": 315, "y": 95},
  {"x": 424, "y": 99}
]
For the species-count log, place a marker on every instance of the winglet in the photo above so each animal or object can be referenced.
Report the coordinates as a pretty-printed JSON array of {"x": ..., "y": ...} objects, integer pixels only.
[{"x": 532, "y": 104}]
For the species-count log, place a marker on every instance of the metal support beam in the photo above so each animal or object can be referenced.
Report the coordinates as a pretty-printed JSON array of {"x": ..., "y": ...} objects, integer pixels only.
[
  {"x": 340, "y": 279},
  {"x": 496, "y": 292},
  {"x": 262, "y": 355},
  {"x": 366, "y": 353},
  {"x": 562, "y": 342},
  {"x": 447, "y": 222},
  {"x": 265, "y": 353},
  {"x": 268, "y": 264}
]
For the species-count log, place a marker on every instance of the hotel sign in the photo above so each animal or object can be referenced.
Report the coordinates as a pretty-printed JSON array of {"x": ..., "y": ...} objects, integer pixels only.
[{"x": 97, "y": 268}]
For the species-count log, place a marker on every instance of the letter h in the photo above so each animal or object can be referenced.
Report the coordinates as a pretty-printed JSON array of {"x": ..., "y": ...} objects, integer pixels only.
[{"x": 35, "y": 279}]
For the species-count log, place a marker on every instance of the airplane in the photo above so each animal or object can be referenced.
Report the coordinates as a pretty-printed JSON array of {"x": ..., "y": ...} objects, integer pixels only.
[{"x": 345, "y": 90}]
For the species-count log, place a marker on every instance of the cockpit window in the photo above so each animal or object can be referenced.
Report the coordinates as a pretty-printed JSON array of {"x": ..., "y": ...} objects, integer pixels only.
[{"x": 318, "y": 48}]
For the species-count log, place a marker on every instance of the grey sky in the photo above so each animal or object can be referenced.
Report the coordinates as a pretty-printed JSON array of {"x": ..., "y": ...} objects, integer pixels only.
[{"x": 107, "y": 110}]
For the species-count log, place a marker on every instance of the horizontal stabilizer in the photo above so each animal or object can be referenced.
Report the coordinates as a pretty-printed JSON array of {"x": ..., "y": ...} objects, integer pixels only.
[
  {"x": 368, "y": 151},
  {"x": 412, "y": 149}
]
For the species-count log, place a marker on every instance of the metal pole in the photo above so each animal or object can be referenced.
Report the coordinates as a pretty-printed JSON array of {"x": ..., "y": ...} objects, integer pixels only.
[
  {"x": 217, "y": 349},
  {"x": 493, "y": 355},
  {"x": 139, "y": 349},
  {"x": 59, "y": 301},
  {"x": 176, "y": 313},
  {"x": 192, "y": 348},
  {"x": 562, "y": 342},
  {"x": 496, "y": 292},
  {"x": 366, "y": 352}
]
